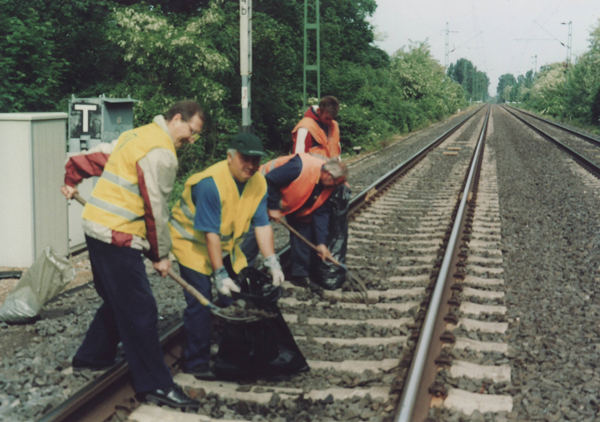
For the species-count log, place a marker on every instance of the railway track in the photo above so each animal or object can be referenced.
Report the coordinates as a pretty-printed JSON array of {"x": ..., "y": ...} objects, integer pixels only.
[
  {"x": 582, "y": 148},
  {"x": 364, "y": 357},
  {"x": 407, "y": 239},
  {"x": 358, "y": 353}
]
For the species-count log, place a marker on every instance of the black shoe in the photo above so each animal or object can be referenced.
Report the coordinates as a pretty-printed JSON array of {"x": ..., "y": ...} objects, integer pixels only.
[
  {"x": 173, "y": 396},
  {"x": 202, "y": 372},
  {"x": 300, "y": 281},
  {"x": 305, "y": 282},
  {"x": 80, "y": 365}
]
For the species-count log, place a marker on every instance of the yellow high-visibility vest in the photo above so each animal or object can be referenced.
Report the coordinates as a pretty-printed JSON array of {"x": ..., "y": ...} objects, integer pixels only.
[
  {"x": 189, "y": 245},
  {"x": 116, "y": 201}
]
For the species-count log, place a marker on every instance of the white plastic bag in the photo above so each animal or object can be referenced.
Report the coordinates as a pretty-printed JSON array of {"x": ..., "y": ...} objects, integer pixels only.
[{"x": 47, "y": 277}]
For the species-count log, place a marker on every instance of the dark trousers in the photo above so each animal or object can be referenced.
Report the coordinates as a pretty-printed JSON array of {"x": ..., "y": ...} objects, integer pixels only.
[
  {"x": 196, "y": 318},
  {"x": 300, "y": 252},
  {"x": 249, "y": 246},
  {"x": 128, "y": 314}
]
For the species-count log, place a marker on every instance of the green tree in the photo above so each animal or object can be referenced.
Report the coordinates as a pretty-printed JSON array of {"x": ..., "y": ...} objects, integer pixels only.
[
  {"x": 504, "y": 81},
  {"x": 31, "y": 71},
  {"x": 583, "y": 82},
  {"x": 546, "y": 94}
]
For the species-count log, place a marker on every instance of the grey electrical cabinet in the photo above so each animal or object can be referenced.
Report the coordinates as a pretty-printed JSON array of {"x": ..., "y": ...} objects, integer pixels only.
[
  {"x": 92, "y": 121},
  {"x": 33, "y": 212},
  {"x": 95, "y": 120}
]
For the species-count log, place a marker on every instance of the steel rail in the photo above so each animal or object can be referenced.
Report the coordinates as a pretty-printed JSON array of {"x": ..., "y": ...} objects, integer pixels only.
[
  {"x": 103, "y": 386},
  {"x": 588, "y": 138},
  {"x": 412, "y": 387},
  {"x": 110, "y": 386},
  {"x": 584, "y": 162},
  {"x": 357, "y": 201}
]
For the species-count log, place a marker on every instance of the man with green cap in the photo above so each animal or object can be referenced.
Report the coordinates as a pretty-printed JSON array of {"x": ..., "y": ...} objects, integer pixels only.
[{"x": 207, "y": 226}]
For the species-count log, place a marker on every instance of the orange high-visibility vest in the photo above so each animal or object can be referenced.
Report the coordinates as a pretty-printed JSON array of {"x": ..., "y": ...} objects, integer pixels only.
[
  {"x": 294, "y": 195},
  {"x": 325, "y": 147}
]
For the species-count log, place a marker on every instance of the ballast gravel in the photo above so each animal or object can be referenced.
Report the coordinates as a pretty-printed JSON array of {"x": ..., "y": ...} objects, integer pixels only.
[{"x": 551, "y": 251}]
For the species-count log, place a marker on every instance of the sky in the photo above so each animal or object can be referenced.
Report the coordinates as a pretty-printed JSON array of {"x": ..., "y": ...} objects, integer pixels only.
[{"x": 498, "y": 37}]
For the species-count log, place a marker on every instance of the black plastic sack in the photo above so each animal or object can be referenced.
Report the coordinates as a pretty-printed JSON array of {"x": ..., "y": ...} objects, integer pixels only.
[
  {"x": 262, "y": 349},
  {"x": 326, "y": 274}
]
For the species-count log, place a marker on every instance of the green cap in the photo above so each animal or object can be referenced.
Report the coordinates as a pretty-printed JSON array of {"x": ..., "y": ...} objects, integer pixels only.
[{"x": 247, "y": 144}]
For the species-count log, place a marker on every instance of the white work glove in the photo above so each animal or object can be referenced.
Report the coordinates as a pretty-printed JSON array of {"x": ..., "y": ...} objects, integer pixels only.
[
  {"x": 224, "y": 284},
  {"x": 272, "y": 263}
]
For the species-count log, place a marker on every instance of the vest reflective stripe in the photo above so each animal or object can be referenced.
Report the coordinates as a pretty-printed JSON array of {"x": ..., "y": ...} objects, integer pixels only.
[
  {"x": 126, "y": 184},
  {"x": 326, "y": 146},
  {"x": 116, "y": 202},
  {"x": 175, "y": 224},
  {"x": 322, "y": 157},
  {"x": 186, "y": 210},
  {"x": 121, "y": 212},
  {"x": 189, "y": 245},
  {"x": 295, "y": 195}
]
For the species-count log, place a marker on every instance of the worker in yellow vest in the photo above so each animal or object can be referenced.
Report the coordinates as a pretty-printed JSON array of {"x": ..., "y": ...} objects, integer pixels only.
[
  {"x": 127, "y": 215},
  {"x": 318, "y": 133},
  {"x": 211, "y": 219}
]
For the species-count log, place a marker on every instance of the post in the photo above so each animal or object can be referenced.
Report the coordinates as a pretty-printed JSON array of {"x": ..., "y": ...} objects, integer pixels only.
[
  {"x": 447, "y": 57},
  {"x": 246, "y": 62},
  {"x": 317, "y": 66}
]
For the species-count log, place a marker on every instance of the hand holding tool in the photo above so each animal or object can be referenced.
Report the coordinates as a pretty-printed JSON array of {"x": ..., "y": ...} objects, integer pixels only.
[
  {"x": 359, "y": 282},
  {"x": 238, "y": 313}
]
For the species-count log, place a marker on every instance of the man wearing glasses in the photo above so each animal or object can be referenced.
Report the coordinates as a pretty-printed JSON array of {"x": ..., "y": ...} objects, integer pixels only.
[{"x": 127, "y": 215}]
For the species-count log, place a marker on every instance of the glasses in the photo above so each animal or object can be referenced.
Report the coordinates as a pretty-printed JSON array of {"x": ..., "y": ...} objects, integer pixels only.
[{"x": 195, "y": 135}]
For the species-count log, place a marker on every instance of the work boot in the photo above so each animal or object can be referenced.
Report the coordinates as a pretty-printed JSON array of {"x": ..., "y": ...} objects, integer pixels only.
[
  {"x": 300, "y": 281},
  {"x": 306, "y": 282},
  {"x": 202, "y": 372},
  {"x": 80, "y": 365},
  {"x": 173, "y": 396}
]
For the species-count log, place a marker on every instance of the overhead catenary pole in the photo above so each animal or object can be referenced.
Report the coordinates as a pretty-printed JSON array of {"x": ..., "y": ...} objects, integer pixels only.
[
  {"x": 246, "y": 62},
  {"x": 447, "y": 57},
  {"x": 569, "y": 41},
  {"x": 317, "y": 66}
]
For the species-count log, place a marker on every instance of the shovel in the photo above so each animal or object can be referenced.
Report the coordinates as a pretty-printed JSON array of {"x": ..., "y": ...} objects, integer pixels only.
[
  {"x": 232, "y": 313},
  {"x": 359, "y": 282}
]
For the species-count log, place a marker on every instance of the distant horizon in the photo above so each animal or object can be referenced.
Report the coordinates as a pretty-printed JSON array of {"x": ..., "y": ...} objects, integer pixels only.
[{"x": 498, "y": 38}]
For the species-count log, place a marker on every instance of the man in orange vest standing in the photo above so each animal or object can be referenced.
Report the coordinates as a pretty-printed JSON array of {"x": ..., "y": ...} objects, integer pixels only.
[
  {"x": 318, "y": 133},
  {"x": 299, "y": 187}
]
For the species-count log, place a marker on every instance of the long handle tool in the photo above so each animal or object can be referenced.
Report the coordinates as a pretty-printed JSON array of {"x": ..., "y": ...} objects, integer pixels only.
[
  {"x": 359, "y": 282},
  {"x": 238, "y": 314}
]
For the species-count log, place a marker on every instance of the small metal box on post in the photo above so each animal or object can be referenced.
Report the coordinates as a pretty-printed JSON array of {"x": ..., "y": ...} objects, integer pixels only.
[{"x": 91, "y": 122}]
